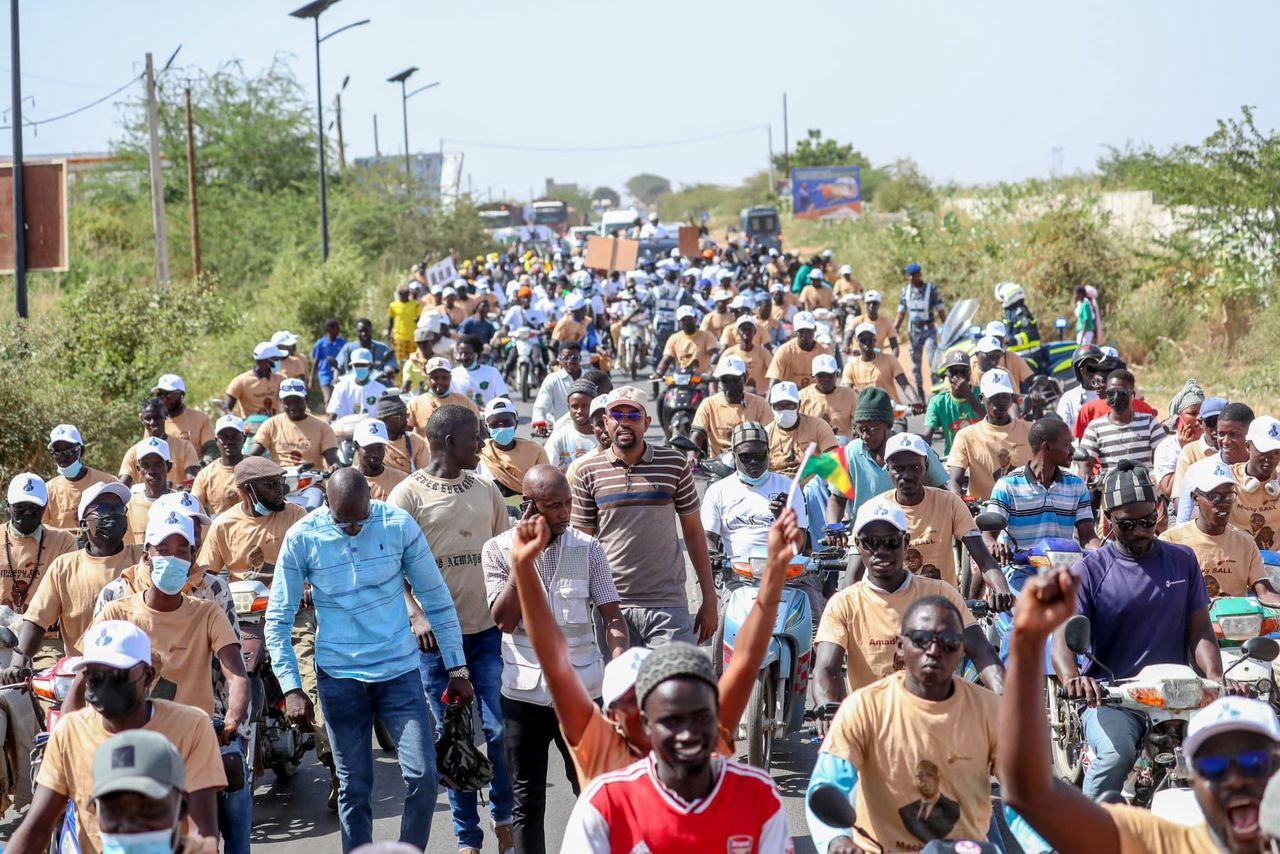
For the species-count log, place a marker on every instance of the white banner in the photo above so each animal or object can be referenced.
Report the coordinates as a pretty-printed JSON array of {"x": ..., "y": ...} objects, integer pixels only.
[
  {"x": 440, "y": 274},
  {"x": 450, "y": 178}
]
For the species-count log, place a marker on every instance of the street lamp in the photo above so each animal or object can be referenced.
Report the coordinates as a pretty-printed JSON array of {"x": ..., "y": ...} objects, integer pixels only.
[
  {"x": 313, "y": 10},
  {"x": 404, "y": 109}
]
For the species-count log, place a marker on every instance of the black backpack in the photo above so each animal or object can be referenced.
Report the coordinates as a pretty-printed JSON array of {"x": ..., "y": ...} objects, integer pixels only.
[{"x": 461, "y": 765}]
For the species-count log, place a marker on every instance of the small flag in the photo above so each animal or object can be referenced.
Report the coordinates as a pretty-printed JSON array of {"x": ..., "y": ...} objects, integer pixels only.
[{"x": 833, "y": 467}]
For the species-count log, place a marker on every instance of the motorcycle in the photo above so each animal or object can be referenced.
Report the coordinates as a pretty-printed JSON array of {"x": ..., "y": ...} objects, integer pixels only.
[
  {"x": 633, "y": 348},
  {"x": 530, "y": 367},
  {"x": 274, "y": 743},
  {"x": 344, "y": 429},
  {"x": 1236, "y": 619},
  {"x": 305, "y": 485},
  {"x": 685, "y": 390},
  {"x": 834, "y": 808}
]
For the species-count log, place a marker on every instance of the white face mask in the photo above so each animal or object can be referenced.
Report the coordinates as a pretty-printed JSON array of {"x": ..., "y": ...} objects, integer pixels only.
[{"x": 786, "y": 418}]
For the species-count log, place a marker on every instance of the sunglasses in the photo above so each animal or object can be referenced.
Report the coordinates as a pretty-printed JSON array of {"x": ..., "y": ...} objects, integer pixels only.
[
  {"x": 345, "y": 527},
  {"x": 922, "y": 640},
  {"x": 1127, "y": 525},
  {"x": 874, "y": 544},
  {"x": 757, "y": 457},
  {"x": 620, "y": 415},
  {"x": 1218, "y": 497},
  {"x": 1250, "y": 763}
]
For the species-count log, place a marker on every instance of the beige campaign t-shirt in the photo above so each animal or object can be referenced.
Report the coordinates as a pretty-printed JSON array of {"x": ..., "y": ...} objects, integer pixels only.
[
  {"x": 421, "y": 407},
  {"x": 1019, "y": 370},
  {"x": 880, "y": 372},
  {"x": 294, "y": 367},
  {"x": 255, "y": 396},
  {"x": 792, "y": 364},
  {"x": 836, "y": 408},
  {"x": 717, "y": 417},
  {"x": 864, "y": 621},
  {"x": 292, "y": 443},
  {"x": 936, "y": 523},
  {"x": 26, "y": 561},
  {"x": 215, "y": 487},
  {"x": 764, "y": 335},
  {"x": 380, "y": 485},
  {"x": 1144, "y": 833},
  {"x": 1231, "y": 559},
  {"x": 757, "y": 361},
  {"x": 988, "y": 452},
  {"x": 924, "y": 766},
  {"x": 717, "y": 322},
  {"x": 241, "y": 543},
  {"x": 70, "y": 588},
  {"x": 136, "y": 511},
  {"x": 191, "y": 425},
  {"x": 787, "y": 447},
  {"x": 398, "y": 457},
  {"x": 186, "y": 639},
  {"x": 457, "y": 516},
  {"x": 509, "y": 467},
  {"x": 181, "y": 454},
  {"x": 1256, "y": 513},
  {"x": 64, "y": 498},
  {"x": 885, "y": 330},
  {"x": 688, "y": 349}
]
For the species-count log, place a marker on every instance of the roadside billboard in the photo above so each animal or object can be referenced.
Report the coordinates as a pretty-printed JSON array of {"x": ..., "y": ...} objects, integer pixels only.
[
  {"x": 46, "y": 212},
  {"x": 819, "y": 192}
]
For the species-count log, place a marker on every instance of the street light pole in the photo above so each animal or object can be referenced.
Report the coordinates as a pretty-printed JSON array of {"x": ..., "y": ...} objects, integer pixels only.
[
  {"x": 19, "y": 203},
  {"x": 404, "y": 110}
]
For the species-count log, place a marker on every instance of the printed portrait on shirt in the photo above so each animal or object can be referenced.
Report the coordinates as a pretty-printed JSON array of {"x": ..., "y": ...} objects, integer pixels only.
[{"x": 933, "y": 814}]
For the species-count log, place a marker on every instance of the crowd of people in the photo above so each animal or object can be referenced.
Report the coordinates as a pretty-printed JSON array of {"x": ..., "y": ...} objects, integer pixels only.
[{"x": 457, "y": 574}]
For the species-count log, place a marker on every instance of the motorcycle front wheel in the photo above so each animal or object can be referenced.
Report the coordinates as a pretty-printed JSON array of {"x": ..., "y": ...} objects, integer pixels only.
[
  {"x": 1066, "y": 735},
  {"x": 523, "y": 371},
  {"x": 761, "y": 715}
]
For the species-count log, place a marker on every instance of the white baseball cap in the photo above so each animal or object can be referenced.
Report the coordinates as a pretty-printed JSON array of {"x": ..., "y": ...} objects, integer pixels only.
[
  {"x": 449, "y": 292},
  {"x": 872, "y": 296},
  {"x": 1230, "y": 714},
  {"x": 738, "y": 302},
  {"x": 997, "y": 329},
  {"x": 746, "y": 320},
  {"x": 284, "y": 338},
  {"x": 574, "y": 301},
  {"x": 267, "y": 350},
  {"x": 908, "y": 443},
  {"x": 499, "y": 406},
  {"x": 361, "y": 356},
  {"x": 724, "y": 274},
  {"x": 27, "y": 488},
  {"x": 182, "y": 502},
  {"x": 115, "y": 643},
  {"x": 439, "y": 363},
  {"x": 846, "y": 270},
  {"x": 1206, "y": 478},
  {"x": 162, "y": 525},
  {"x": 431, "y": 321},
  {"x": 804, "y": 320},
  {"x": 598, "y": 404},
  {"x": 371, "y": 432},
  {"x": 777, "y": 288},
  {"x": 229, "y": 422},
  {"x": 824, "y": 363},
  {"x": 990, "y": 344},
  {"x": 815, "y": 273},
  {"x": 995, "y": 382},
  {"x": 864, "y": 326},
  {"x": 65, "y": 433},
  {"x": 170, "y": 382},
  {"x": 877, "y": 510},
  {"x": 731, "y": 366},
  {"x": 626, "y": 395},
  {"x": 1264, "y": 433},
  {"x": 293, "y": 388},
  {"x": 784, "y": 391},
  {"x": 826, "y": 253},
  {"x": 620, "y": 674},
  {"x": 152, "y": 445},
  {"x": 720, "y": 294},
  {"x": 685, "y": 311},
  {"x": 93, "y": 493}
]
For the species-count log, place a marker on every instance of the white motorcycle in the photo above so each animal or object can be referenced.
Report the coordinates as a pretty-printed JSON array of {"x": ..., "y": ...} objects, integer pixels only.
[{"x": 530, "y": 368}]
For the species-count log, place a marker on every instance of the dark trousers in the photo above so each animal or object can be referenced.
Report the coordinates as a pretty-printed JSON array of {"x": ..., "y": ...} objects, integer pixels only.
[{"x": 531, "y": 729}]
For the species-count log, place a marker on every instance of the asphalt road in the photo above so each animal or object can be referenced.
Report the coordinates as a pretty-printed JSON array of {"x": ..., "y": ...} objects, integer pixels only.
[{"x": 290, "y": 816}]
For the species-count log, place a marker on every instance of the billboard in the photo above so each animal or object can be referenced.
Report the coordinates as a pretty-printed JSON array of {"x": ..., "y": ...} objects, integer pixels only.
[
  {"x": 46, "y": 212},
  {"x": 819, "y": 192}
]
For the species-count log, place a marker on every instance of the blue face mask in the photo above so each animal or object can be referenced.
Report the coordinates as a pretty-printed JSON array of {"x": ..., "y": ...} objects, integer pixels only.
[
  {"x": 753, "y": 481},
  {"x": 169, "y": 574},
  {"x": 503, "y": 435},
  {"x": 361, "y": 373},
  {"x": 151, "y": 842},
  {"x": 72, "y": 470},
  {"x": 275, "y": 366},
  {"x": 262, "y": 509}
]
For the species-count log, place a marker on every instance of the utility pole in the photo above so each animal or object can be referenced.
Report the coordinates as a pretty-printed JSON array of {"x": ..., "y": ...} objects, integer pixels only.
[
  {"x": 786, "y": 139},
  {"x": 773, "y": 187},
  {"x": 377, "y": 150},
  {"x": 192, "y": 193},
  {"x": 342, "y": 151},
  {"x": 19, "y": 203},
  {"x": 157, "y": 179}
]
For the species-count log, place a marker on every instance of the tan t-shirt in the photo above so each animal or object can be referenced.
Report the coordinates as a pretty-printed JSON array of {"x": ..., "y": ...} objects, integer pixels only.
[
  {"x": 1256, "y": 513},
  {"x": 186, "y": 639},
  {"x": 380, "y": 485},
  {"x": 64, "y": 498},
  {"x": 1019, "y": 370},
  {"x": 1144, "y": 833},
  {"x": 717, "y": 322},
  {"x": 792, "y": 364},
  {"x": 509, "y": 467},
  {"x": 717, "y": 417},
  {"x": 26, "y": 561},
  {"x": 989, "y": 452},
  {"x": 787, "y": 447},
  {"x": 192, "y": 425},
  {"x": 294, "y": 367},
  {"x": 70, "y": 588},
  {"x": 568, "y": 329},
  {"x": 407, "y": 459},
  {"x": 764, "y": 335},
  {"x": 924, "y": 766},
  {"x": 68, "y": 760},
  {"x": 292, "y": 443},
  {"x": 814, "y": 297},
  {"x": 1231, "y": 558},
  {"x": 687, "y": 349},
  {"x": 136, "y": 512},
  {"x": 215, "y": 487},
  {"x": 757, "y": 361},
  {"x": 836, "y": 408},
  {"x": 881, "y": 372},
  {"x": 885, "y": 330},
  {"x": 864, "y": 621},
  {"x": 936, "y": 523},
  {"x": 457, "y": 516},
  {"x": 181, "y": 454},
  {"x": 241, "y": 543},
  {"x": 1190, "y": 454},
  {"x": 255, "y": 396},
  {"x": 421, "y": 407}
]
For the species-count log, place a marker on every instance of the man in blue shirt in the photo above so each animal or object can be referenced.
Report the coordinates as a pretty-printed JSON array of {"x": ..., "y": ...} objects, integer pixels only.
[
  {"x": 324, "y": 356},
  {"x": 357, "y": 555},
  {"x": 919, "y": 302},
  {"x": 1148, "y": 605},
  {"x": 384, "y": 358}
]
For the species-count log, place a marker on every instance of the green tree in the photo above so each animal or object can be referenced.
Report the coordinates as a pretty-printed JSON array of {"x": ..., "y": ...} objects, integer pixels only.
[
  {"x": 646, "y": 188},
  {"x": 607, "y": 193},
  {"x": 813, "y": 150}
]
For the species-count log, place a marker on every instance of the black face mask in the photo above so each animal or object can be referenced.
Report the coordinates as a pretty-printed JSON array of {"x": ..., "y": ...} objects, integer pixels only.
[
  {"x": 26, "y": 523},
  {"x": 1118, "y": 399},
  {"x": 111, "y": 529},
  {"x": 114, "y": 699}
]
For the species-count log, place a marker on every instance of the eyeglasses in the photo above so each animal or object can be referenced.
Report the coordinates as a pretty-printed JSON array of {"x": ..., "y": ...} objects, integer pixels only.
[
  {"x": 345, "y": 527},
  {"x": 1250, "y": 763},
  {"x": 620, "y": 415},
  {"x": 922, "y": 640},
  {"x": 1128, "y": 525},
  {"x": 874, "y": 544},
  {"x": 1218, "y": 497}
]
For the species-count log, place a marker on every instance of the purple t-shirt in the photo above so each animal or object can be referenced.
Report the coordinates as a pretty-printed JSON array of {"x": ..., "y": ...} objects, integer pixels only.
[{"x": 1140, "y": 609}]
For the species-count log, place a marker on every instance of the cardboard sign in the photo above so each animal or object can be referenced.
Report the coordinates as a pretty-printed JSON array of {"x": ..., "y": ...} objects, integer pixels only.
[
  {"x": 440, "y": 274},
  {"x": 608, "y": 254},
  {"x": 45, "y": 194},
  {"x": 689, "y": 241}
]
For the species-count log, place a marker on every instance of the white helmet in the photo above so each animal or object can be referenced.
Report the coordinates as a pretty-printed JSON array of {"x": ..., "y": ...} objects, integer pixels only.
[{"x": 1009, "y": 293}]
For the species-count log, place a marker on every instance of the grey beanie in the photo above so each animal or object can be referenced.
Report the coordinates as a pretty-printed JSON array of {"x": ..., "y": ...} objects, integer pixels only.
[
  {"x": 586, "y": 387},
  {"x": 389, "y": 404},
  {"x": 673, "y": 661},
  {"x": 1127, "y": 483},
  {"x": 874, "y": 405}
]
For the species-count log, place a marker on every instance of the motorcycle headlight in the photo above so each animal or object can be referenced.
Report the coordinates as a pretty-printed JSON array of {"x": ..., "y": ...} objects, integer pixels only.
[
  {"x": 1241, "y": 627},
  {"x": 243, "y": 601},
  {"x": 1063, "y": 560}
]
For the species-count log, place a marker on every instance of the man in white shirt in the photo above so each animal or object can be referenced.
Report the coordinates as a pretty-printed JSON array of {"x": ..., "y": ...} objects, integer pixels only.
[
  {"x": 575, "y": 438},
  {"x": 357, "y": 391},
  {"x": 653, "y": 230},
  {"x": 480, "y": 382},
  {"x": 1091, "y": 368},
  {"x": 553, "y": 395}
]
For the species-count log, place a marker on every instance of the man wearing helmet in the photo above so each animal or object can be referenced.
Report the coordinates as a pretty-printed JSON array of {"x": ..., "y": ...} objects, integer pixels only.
[
  {"x": 1018, "y": 319},
  {"x": 920, "y": 301}
]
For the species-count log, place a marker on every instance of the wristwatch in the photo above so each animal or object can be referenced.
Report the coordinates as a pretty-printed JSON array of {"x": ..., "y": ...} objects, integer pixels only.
[{"x": 462, "y": 672}]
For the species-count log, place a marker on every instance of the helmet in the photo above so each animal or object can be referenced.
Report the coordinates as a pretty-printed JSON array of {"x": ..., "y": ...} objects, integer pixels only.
[
  {"x": 1009, "y": 293},
  {"x": 461, "y": 766},
  {"x": 1084, "y": 354}
]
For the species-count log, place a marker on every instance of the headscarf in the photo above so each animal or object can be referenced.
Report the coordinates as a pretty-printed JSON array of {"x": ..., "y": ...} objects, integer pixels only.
[{"x": 1190, "y": 395}]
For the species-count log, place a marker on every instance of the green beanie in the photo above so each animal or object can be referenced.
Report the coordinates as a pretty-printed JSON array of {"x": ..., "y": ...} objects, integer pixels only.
[{"x": 874, "y": 405}]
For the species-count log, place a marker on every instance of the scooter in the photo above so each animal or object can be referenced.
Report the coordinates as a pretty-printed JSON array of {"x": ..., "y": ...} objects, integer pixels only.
[
  {"x": 344, "y": 429},
  {"x": 834, "y": 809},
  {"x": 632, "y": 341},
  {"x": 685, "y": 390},
  {"x": 1236, "y": 619},
  {"x": 306, "y": 486},
  {"x": 530, "y": 367}
]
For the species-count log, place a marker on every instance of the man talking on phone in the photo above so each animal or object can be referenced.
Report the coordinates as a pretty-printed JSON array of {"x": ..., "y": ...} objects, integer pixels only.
[{"x": 575, "y": 576}]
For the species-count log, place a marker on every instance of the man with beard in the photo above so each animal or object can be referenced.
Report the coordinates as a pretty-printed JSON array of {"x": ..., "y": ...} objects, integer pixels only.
[
  {"x": 215, "y": 486},
  {"x": 439, "y": 392},
  {"x": 246, "y": 539},
  {"x": 1230, "y": 748},
  {"x": 681, "y": 794},
  {"x": 719, "y": 414},
  {"x": 66, "y": 447},
  {"x": 116, "y": 675},
  {"x": 29, "y": 546},
  {"x": 793, "y": 361},
  {"x": 189, "y": 424},
  {"x": 295, "y": 436},
  {"x": 958, "y": 407}
]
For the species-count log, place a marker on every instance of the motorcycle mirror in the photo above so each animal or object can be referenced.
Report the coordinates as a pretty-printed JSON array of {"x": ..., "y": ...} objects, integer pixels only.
[
  {"x": 8, "y": 640},
  {"x": 831, "y": 806},
  {"x": 1078, "y": 633},
  {"x": 1262, "y": 649},
  {"x": 990, "y": 522},
  {"x": 684, "y": 444}
]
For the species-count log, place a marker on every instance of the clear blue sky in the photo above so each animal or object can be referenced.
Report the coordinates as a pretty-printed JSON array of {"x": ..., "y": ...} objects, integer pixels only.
[{"x": 975, "y": 92}]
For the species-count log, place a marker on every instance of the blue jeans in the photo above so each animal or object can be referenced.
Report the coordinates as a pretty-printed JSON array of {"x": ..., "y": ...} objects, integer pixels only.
[
  {"x": 483, "y": 651},
  {"x": 349, "y": 709},
  {"x": 235, "y": 811},
  {"x": 1114, "y": 735}
]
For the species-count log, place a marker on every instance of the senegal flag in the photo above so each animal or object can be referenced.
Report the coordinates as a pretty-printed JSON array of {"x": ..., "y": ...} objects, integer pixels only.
[{"x": 833, "y": 467}]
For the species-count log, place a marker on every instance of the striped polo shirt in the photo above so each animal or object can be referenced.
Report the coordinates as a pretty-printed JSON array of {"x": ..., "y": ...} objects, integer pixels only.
[
  {"x": 630, "y": 508},
  {"x": 1109, "y": 442},
  {"x": 1035, "y": 512}
]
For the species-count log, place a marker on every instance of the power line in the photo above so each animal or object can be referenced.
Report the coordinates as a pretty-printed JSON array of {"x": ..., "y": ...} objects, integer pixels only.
[
  {"x": 604, "y": 148},
  {"x": 70, "y": 113},
  {"x": 27, "y": 75}
]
